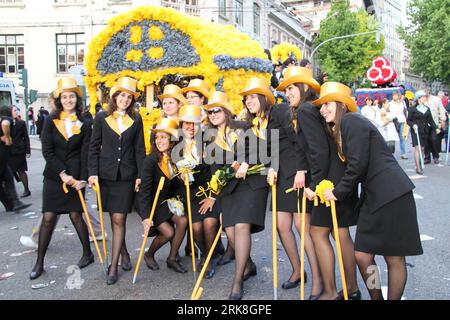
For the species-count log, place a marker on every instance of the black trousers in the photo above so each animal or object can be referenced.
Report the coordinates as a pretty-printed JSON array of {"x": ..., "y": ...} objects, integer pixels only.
[
  {"x": 433, "y": 146},
  {"x": 8, "y": 192}
]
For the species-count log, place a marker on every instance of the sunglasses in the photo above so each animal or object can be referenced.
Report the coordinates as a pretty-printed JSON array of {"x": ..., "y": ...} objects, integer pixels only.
[
  {"x": 192, "y": 96},
  {"x": 214, "y": 111}
]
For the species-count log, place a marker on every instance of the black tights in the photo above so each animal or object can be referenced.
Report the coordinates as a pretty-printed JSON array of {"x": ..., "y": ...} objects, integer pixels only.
[
  {"x": 48, "y": 224},
  {"x": 240, "y": 239},
  {"x": 204, "y": 233},
  {"x": 119, "y": 247},
  {"x": 24, "y": 178},
  {"x": 397, "y": 275}
]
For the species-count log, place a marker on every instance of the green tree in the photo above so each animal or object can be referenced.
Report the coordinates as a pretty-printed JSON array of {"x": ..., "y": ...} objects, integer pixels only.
[
  {"x": 347, "y": 60},
  {"x": 428, "y": 38}
]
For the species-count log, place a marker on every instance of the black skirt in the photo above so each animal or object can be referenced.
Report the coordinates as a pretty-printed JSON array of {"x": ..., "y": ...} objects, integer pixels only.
[
  {"x": 195, "y": 207},
  {"x": 18, "y": 163},
  {"x": 55, "y": 200},
  {"x": 244, "y": 205},
  {"x": 392, "y": 230},
  {"x": 346, "y": 215},
  {"x": 162, "y": 214},
  {"x": 424, "y": 136},
  {"x": 117, "y": 196},
  {"x": 287, "y": 202}
]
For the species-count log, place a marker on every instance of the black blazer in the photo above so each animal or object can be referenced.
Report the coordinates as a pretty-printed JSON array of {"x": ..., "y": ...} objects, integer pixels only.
[
  {"x": 111, "y": 153},
  {"x": 370, "y": 162},
  {"x": 151, "y": 173},
  {"x": 313, "y": 142},
  {"x": 21, "y": 140},
  {"x": 291, "y": 156},
  {"x": 424, "y": 121},
  {"x": 61, "y": 154}
]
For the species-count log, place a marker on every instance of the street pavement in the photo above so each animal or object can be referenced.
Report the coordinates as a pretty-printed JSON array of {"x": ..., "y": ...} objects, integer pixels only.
[{"x": 428, "y": 275}]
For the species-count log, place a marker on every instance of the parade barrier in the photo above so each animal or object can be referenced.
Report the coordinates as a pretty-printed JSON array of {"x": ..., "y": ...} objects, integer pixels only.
[
  {"x": 274, "y": 237},
  {"x": 96, "y": 188},
  {"x": 198, "y": 291},
  {"x": 144, "y": 241},
  {"x": 324, "y": 185},
  {"x": 88, "y": 220}
]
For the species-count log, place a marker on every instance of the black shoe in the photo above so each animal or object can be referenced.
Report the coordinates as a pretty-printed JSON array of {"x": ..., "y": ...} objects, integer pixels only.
[
  {"x": 251, "y": 273},
  {"x": 290, "y": 285},
  {"x": 25, "y": 194},
  {"x": 210, "y": 273},
  {"x": 176, "y": 266},
  {"x": 36, "y": 272},
  {"x": 19, "y": 205},
  {"x": 352, "y": 296},
  {"x": 110, "y": 280},
  {"x": 236, "y": 295},
  {"x": 419, "y": 171},
  {"x": 127, "y": 266},
  {"x": 225, "y": 260},
  {"x": 427, "y": 161},
  {"x": 151, "y": 263},
  {"x": 315, "y": 296},
  {"x": 85, "y": 261},
  {"x": 436, "y": 161}
]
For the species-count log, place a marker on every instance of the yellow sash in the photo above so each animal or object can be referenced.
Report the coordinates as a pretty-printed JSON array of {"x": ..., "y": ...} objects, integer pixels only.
[
  {"x": 259, "y": 127},
  {"x": 223, "y": 140}
]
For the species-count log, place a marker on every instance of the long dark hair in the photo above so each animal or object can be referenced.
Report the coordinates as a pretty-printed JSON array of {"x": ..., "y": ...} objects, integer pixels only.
[
  {"x": 264, "y": 109},
  {"x": 5, "y": 111},
  {"x": 154, "y": 148},
  {"x": 334, "y": 129},
  {"x": 305, "y": 96},
  {"x": 112, "y": 105},
  {"x": 59, "y": 108}
]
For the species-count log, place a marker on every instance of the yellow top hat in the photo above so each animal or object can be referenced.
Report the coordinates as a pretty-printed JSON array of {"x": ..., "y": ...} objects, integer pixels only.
[
  {"x": 173, "y": 91},
  {"x": 125, "y": 84},
  {"x": 190, "y": 113},
  {"x": 296, "y": 74},
  {"x": 197, "y": 85},
  {"x": 167, "y": 125},
  {"x": 67, "y": 84},
  {"x": 259, "y": 86},
  {"x": 335, "y": 91},
  {"x": 219, "y": 99}
]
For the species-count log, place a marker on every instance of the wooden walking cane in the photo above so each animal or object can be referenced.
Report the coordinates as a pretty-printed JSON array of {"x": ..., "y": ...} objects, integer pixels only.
[
  {"x": 198, "y": 291},
  {"x": 274, "y": 237},
  {"x": 191, "y": 235},
  {"x": 96, "y": 188},
  {"x": 88, "y": 220},
  {"x": 144, "y": 241},
  {"x": 302, "y": 246}
]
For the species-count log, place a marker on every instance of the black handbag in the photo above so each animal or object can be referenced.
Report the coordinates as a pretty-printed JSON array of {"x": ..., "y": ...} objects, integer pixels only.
[{"x": 397, "y": 124}]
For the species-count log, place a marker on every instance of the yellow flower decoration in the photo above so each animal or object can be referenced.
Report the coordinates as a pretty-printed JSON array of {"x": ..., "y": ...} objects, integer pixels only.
[
  {"x": 148, "y": 120},
  {"x": 136, "y": 34},
  {"x": 321, "y": 187},
  {"x": 155, "y": 53},
  {"x": 282, "y": 51},
  {"x": 155, "y": 33},
  {"x": 76, "y": 129},
  {"x": 207, "y": 38},
  {"x": 134, "y": 55}
]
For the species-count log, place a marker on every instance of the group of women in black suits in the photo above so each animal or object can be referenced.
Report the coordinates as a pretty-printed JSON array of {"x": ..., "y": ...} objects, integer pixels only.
[{"x": 318, "y": 137}]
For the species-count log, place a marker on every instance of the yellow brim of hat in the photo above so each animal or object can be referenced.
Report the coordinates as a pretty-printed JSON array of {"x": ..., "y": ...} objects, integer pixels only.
[
  {"x": 219, "y": 104},
  {"x": 300, "y": 79},
  {"x": 349, "y": 102},
  {"x": 173, "y": 132},
  {"x": 76, "y": 90},
  {"x": 179, "y": 97},
  {"x": 116, "y": 88},
  {"x": 267, "y": 93},
  {"x": 202, "y": 90}
]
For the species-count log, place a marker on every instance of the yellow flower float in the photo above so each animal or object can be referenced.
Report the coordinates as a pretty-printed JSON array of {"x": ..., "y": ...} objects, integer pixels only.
[{"x": 284, "y": 50}]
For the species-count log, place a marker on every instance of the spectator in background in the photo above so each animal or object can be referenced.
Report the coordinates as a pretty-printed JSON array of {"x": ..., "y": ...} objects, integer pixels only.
[
  {"x": 439, "y": 117},
  {"x": 305, "y": 63},
  {"x": 386, "y": 126},
  {"x": 20, "y": 150},
  {"x": 399, "y": 111},
  {"x": 42, "y": 114},
  {"x": 31, "y": 121},
  {"x": 369, "y": 110}
]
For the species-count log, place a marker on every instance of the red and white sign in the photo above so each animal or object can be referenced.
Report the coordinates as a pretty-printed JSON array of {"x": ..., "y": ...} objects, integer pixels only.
[{"x": 381, "y": 71}]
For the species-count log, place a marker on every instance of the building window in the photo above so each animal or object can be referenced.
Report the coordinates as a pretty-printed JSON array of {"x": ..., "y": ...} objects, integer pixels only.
[
  {"x": 256, "y": 18},
  {"x": 12, "y": 55},
  {"x": 70, "y": 50},
  {"x": 191, "y": 2},
  {"x": 238, "y": 12},
  {"x": 223, "y": 8}
]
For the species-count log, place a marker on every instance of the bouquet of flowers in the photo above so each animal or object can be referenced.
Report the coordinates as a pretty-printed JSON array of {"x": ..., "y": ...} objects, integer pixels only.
[
  {"x": 186, "y": 165},
  {"x": 224, "y": 175},
  {"x": 176, "y": 206}
]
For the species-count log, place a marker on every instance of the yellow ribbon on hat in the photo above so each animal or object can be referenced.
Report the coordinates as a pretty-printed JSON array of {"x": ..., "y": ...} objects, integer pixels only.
[
  {"x": 63, "y": 116},
  {"x": 259, "y": 125}
]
